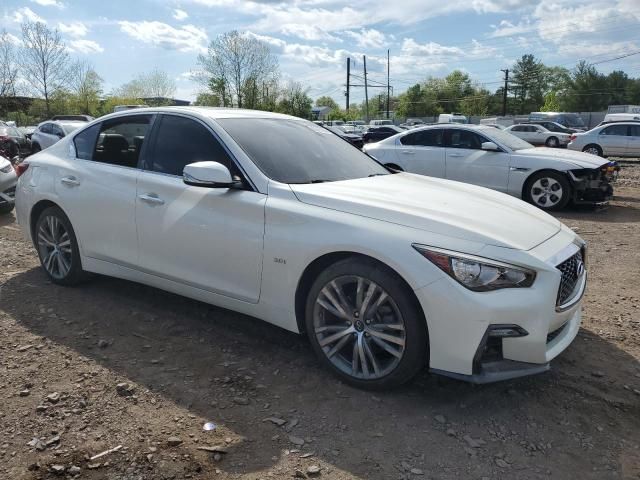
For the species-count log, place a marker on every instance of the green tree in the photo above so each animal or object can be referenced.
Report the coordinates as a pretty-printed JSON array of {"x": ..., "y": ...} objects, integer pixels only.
[
  {"x": 295, "y": 100},
  {"x": 551, "y": 103},
  {"x": 528, "y": 83},
  {"x": 206, "y": 99}
]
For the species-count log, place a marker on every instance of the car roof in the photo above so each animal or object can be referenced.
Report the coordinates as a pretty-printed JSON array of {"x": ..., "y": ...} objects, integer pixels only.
[{"x": 210, "y": 112}]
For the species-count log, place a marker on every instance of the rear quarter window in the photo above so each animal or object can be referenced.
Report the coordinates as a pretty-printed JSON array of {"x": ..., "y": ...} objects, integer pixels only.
[{"x": 85, "y": 142}]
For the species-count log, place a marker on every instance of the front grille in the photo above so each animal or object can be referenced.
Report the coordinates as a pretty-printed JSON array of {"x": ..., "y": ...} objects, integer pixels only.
[{"x": 571, "y": 269}]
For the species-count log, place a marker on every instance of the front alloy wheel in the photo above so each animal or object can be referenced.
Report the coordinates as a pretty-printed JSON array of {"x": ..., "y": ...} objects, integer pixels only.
[
  {"x": 548, "y": 191},
  {"x": 366, "y": 325},
  {"x": 359, "y": 327}
]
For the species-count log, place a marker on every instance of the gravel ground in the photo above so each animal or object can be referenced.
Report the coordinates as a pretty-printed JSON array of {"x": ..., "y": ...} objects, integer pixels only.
[{"x": 134, "y": 371}]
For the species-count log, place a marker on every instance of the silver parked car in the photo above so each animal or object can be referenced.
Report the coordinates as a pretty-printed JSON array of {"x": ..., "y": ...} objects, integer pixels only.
[
  {"x": 538, "y": 135},
  {"x": 51, "y": 132},
  {"x": 8, "y": 180},
  {"x": 620, "y": 139}
]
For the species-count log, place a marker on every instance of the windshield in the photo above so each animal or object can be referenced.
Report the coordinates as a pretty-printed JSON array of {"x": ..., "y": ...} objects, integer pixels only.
[
  {"x": 506, "y": 138},
  {"x": 297, "y": 151}
]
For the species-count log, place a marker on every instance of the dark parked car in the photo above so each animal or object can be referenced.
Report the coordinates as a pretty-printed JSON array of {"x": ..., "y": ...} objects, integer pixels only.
[
  {"x": 375, "y": 134},
  {"x": 13, "y": 141},
  {"x": 352, "y": 138},
  {"x": 554, "y": 126}
]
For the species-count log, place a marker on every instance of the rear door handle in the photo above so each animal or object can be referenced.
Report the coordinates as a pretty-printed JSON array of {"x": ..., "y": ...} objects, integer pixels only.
[
  {"x": 456, "y": 155},
  {"x": 71, "y": 181},
  {"x": 151, "y": 199},
  {"x": 408, "y": 152}
]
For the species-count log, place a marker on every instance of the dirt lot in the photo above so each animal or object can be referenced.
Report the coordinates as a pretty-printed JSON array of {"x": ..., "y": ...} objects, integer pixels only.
[{"x": 180, "y": 363}]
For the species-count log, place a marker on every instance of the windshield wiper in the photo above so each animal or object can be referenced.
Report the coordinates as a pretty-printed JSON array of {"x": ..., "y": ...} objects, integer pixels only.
[{"x": 378, "y": 175}]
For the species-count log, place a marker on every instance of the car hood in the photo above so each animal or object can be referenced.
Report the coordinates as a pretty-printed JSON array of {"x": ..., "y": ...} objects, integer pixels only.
[
  {"x": 439, "y": 206},
  {"x": 579, "y": 159}
]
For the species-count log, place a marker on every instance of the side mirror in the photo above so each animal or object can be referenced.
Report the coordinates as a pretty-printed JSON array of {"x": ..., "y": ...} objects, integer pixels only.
[
  {"x": 490, "y": 146},
  {"x": 208, "y": 174}
]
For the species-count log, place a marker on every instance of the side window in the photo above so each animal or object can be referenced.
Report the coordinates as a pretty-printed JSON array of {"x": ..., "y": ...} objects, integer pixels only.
[
  {"x": 465, "y": 139},
  {"x": 85, "y": 142},
  {"x": 615, "y": 130},
  {"x": 181, "y": 141},
  {"x": 46, "y": 128},
  {"x": 517, "y": 128},
  {"x": 426, "y": 138},
  {"x": 56, "y": 130},
  {"x": 120, "y": 140},
  {"x": 634, "y": 130}
]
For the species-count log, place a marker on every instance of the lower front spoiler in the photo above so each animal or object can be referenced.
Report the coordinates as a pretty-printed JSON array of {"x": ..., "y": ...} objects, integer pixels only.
[{"x": 498, "y": 371}]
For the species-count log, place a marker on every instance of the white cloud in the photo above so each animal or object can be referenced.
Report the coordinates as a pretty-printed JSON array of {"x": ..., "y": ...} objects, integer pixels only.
[
  {"x": 370, "y": 38},
  {"x": 187, "y": 38},
  {"x": 180, "y": 14},
  {"x": 411, "y": 47},
  {"x": 508, "y": 29},
  {"x": 49, "y": 3},
  {"x": 82, "y": 45},
  {"x": 26, "y": 14},
  {"x": 74, "y": 29}
]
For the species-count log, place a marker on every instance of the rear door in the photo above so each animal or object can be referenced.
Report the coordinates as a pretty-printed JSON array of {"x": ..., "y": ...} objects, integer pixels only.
[
  {"x": 614, "y": 139},
  {"x": 467, "y": 162},
  {"x": 423, "y": 152},
  {"x": 97, "y": 189},
  {"x": 46, "y": 138}
]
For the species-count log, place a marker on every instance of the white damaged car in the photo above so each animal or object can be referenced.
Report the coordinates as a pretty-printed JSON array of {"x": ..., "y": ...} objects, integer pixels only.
[
  {"x": 279, "y": 218},
  {"x": 481, "y": 155}
]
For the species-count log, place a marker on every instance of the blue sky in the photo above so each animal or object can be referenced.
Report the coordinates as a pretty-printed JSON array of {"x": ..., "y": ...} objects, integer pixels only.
[{"x": 313, "y": 38}]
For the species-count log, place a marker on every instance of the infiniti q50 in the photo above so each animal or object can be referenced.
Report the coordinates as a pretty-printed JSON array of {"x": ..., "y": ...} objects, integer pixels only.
[{"x": 278, "y": 218}]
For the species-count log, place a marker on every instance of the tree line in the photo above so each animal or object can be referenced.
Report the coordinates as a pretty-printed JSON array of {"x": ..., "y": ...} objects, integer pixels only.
[{"x": 239, "y": 70}]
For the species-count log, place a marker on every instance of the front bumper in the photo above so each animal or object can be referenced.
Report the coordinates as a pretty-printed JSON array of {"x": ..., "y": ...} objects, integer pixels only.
[
  {"x": 459, "y": 322},
  {"x": 594, "y": 186}
]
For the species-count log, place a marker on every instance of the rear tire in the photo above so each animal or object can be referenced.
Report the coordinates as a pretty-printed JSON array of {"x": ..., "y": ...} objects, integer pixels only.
[
  {"x": 593, "y": 149},
  {"x": 365, "y": 325},
  {"x": 547, "y": 190},
  {"x": 57, "y": 248},
  {"x": 552, "y": 142}
]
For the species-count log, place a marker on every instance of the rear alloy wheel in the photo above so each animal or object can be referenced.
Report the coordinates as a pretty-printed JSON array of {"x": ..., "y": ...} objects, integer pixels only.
[
  {"x": 552, "y": 142},
  {"x": 548, "y": 191},
  {"x": 593, "y": 150},
  {"x": 364, "y": 326},
  {"x": 58, "y": 248}
]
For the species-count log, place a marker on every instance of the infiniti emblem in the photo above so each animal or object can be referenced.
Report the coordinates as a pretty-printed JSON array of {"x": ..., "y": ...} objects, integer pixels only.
[{"x": 579, "y": 268}]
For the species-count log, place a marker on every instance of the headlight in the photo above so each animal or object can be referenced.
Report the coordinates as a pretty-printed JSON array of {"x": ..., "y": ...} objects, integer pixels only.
[
  {"x": 477, "y": 273},
  {"x": 6, "y": 169}
]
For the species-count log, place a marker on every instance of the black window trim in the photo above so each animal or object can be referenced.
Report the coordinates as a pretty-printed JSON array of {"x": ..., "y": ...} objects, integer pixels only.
[
  {"x": 93, "y": 124},
  {"x": 447, "y": 139},
  {"x": 144, "y": 166},
  {"x": 413, "y": 132}
]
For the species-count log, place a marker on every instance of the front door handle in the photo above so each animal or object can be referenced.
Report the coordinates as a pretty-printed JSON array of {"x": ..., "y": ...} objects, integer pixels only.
[
  {"x": 151, "y": 199},
  {"x": 70, "y": 181},
  {"x": 408, "y": 152},
  {"x": 455, "y": 155}
]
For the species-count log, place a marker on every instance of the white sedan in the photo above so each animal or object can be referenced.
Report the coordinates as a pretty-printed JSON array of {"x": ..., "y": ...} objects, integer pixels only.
[
  {"x": 277, "y": 217},
  {"x": 538, "y": 135},
  {"x": 482, "y": 155}
]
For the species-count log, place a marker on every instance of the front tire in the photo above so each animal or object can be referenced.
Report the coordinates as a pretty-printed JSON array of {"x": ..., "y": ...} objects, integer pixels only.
[
  {"x": 547, "y": 190},
  {"x": 365, "y": 325},
  {"x": 58, "y": 248}
]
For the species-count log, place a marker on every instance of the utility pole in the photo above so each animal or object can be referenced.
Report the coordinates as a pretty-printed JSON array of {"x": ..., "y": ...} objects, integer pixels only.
[
  {"x": 388, "y": 86},
  {"x": 348, "y": 77},
  {"x": 366, "y": 91},
  {"x": 504, "y": 93}
]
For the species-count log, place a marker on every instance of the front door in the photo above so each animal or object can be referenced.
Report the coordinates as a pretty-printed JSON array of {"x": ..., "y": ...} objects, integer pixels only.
[
  {"x": 633, "y": 147},
  {"x": 97, "y": 189},
  {"x": 209, "y": 238},
  {"x": 467, "y": 162}
]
